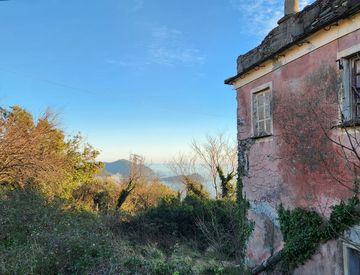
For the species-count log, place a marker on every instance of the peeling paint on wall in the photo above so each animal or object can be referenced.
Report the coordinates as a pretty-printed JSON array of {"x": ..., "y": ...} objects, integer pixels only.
[{"x": 295, "y": 165}]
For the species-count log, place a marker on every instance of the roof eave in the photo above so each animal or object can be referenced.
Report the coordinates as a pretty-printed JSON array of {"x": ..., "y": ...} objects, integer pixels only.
[{"x": 231, "y": 80}]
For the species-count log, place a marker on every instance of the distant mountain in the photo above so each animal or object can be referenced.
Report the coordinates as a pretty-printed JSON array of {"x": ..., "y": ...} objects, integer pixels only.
[
  {"x": 161, "y": 169},
  {"x": 177, "y": 179},
  {"x": 123, "y": 167}
]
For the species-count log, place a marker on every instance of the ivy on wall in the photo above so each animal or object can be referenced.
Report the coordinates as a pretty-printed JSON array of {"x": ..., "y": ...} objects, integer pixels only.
[{"x": 304, "y": 230}]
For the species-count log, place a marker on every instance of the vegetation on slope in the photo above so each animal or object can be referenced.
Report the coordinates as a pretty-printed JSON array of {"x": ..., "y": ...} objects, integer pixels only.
[
  {"x": 38, "y": 236},
  {"x": 58, "y": 217}
]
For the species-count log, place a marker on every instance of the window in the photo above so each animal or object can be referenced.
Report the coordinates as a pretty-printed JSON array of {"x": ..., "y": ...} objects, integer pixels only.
[
  {"x": 355, "y": 86},
  {"x": 351, "y": 257},
  {"x": 351, "y": 92},
  {"x": 261, "y": 113}
]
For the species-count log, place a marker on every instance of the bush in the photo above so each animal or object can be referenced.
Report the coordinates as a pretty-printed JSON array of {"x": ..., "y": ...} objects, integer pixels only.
[
  {"x": 38, "y": 236},
  {"x": 100, "y": 194},
  {"x": 169, "y": 222},
  {"x": 146, "y": 194},
  {"x": 203, "y": 222},
  {"x": 222, "y": 225}
]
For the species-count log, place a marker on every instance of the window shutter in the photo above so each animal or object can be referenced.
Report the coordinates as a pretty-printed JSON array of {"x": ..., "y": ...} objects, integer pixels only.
[
  {"x": 356, "y": 87},
  {"x": 255, "y": 115},
  {"x": 346, "y": 96}
]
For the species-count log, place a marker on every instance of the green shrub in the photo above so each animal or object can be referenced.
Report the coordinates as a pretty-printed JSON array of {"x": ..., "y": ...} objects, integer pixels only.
[
  {"x": 172, "y": 220},
  {"x": 203, "y": 222},
  {"x": 99, "y": 194},
  {"x": 222, "y": 226},
  {"x": 38, "y": 236}
]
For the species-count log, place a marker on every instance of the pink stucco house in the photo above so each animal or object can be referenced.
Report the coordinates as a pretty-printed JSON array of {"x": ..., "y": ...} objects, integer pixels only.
[{"x": 297, "y": 93}]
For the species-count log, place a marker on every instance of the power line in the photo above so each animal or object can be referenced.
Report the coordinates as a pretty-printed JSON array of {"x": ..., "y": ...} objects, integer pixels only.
[
  {"x": 52, "y": 82},
  {"x": 173, "y": 109}
]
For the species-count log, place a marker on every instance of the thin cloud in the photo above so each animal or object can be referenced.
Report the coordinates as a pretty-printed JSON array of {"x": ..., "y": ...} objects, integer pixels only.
[
  {"x": 167, "y": 47},
  {"x": 264, "y": 14}
]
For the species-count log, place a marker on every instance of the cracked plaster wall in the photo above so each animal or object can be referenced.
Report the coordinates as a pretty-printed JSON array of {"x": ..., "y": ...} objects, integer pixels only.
[{"x": 289, "y": 167}]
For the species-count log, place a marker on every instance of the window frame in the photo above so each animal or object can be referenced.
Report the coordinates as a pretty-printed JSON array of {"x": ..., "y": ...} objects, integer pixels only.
[
  {"x": 346, "y": 59},
  {"x": 354, "y": 75},
  {"x": 348, "y": 249},
  {"x": 261, "y": 89}
]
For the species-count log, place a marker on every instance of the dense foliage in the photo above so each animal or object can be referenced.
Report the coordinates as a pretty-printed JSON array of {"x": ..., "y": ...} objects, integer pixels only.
[
  {"x": 38, "y": 236},
  {"x": 304, "y": 230},
  {"x": 36, "y": 152},
  {"x": 203, "y": 222},
  {"x": 101, "y": 194}
]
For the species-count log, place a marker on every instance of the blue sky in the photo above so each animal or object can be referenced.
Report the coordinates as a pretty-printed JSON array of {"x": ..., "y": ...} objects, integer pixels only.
[{"x": 133, "y": 76}]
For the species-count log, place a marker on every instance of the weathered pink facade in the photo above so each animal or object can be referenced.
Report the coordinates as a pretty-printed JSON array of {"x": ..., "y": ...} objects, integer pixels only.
[{"x": 297, "y": 165}]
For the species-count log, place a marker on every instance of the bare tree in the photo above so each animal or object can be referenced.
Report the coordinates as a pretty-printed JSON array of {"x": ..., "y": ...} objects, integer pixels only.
[
  {"x": 135, "y": 176},
  {"x": 184, "y": 167},
  {"x": 217, "y": 154}
]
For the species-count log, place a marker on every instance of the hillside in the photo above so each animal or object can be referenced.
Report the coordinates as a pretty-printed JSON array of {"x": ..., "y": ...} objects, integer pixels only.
[{"x": 123, "y": 167}]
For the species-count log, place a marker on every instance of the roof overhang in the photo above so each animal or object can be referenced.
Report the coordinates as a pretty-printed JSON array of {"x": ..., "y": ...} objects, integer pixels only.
[{"x": 294, "y": 29}]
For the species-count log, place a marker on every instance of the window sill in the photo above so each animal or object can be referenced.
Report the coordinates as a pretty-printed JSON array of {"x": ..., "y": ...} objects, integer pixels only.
[
  {"x": 261, "y": 136},
  {"x": 349, "y": 123}
]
